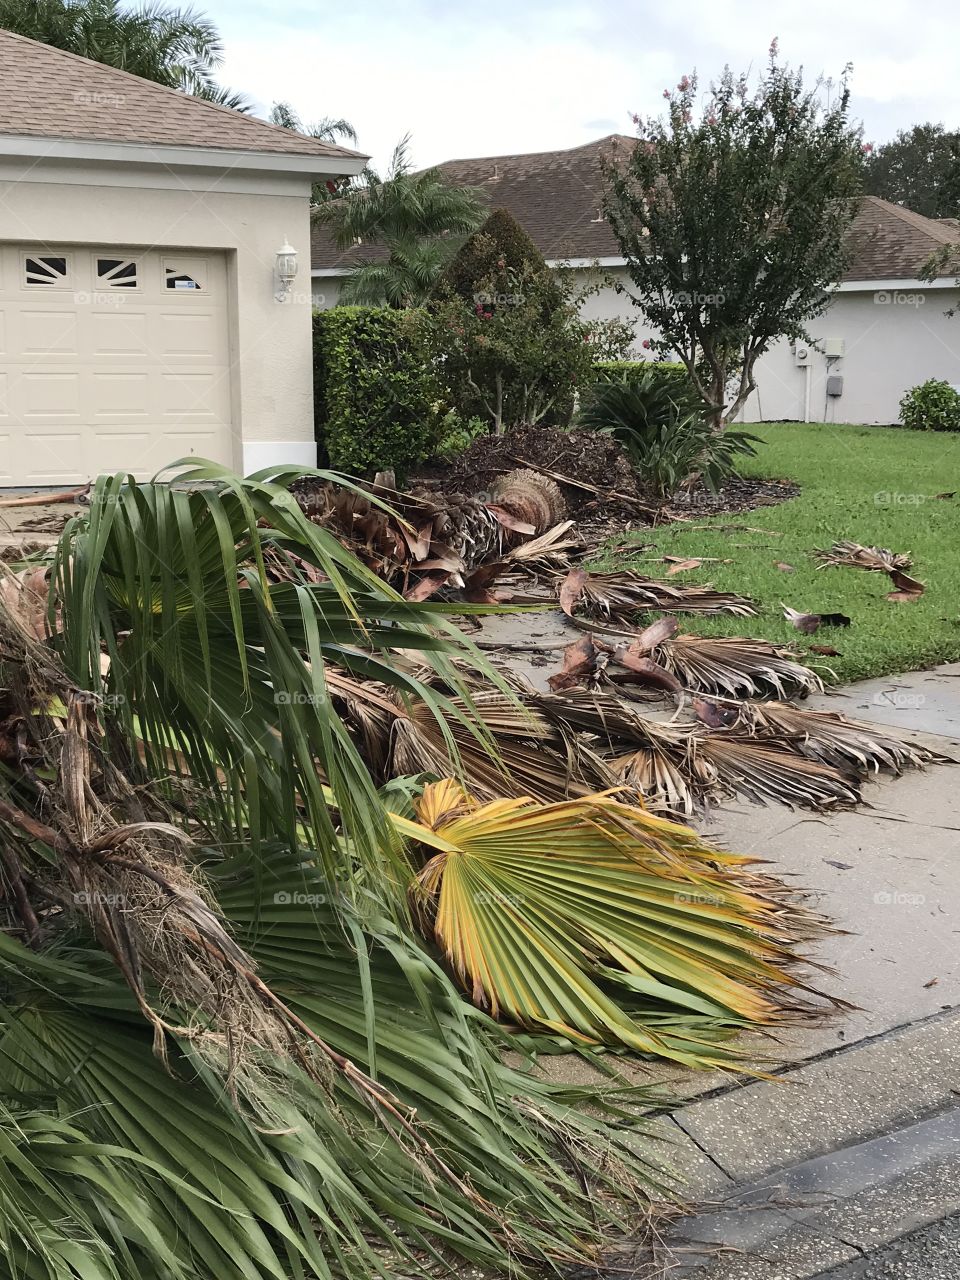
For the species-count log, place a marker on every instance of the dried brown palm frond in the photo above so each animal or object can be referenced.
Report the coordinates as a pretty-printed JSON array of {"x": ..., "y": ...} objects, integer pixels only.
[
  {"x": 622, "y": 593},
  {"x": 761, "y": 772},
  {"x": 854, "y": 555},
  {"x": 736, "y": 666},
  {"x": 419, "y": 542},
  {"x": 833, "y": 739}
]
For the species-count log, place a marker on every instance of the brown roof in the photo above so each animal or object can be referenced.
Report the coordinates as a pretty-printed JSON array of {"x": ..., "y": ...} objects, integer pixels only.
[
  {"x": 893, "y": 243},
  {"x": 556, "y": 197},
  {"x": 47, "y": 93}
]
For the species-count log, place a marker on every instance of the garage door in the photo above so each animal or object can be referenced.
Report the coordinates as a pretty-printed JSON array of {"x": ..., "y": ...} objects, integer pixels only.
[{"x": 110, "y": 359}]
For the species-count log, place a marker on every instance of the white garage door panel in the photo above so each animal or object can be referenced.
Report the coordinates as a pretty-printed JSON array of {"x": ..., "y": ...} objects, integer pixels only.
[{"x": 96, "y": 375}]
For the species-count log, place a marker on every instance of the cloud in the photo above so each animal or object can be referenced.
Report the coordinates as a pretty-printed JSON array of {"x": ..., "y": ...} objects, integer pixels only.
[{"x": 510, "y": 77}]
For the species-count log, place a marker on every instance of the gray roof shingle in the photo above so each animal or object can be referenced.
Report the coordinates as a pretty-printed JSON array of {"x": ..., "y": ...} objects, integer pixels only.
[
  {"x": 556, "y": 196},
  {"x": 48, "y": 93}
]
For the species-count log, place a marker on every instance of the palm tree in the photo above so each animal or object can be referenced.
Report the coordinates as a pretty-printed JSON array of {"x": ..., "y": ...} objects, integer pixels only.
[
  {"x": 175, "y": 47},
  {"x": 230, "y": 1041},
  {"x": 327, "y": 129},
  {"x": 420, "y": 219}
]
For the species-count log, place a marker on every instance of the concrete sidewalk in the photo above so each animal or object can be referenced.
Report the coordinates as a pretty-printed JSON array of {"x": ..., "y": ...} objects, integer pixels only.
[{"x": 857, "y": 1145}]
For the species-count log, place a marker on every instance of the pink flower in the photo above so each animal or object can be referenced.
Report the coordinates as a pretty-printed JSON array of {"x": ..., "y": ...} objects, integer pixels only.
[
  {"x": 711, "y": 119},
  {"x": 774, "y": 47},
  {"x": 867, "y": 148},
  {"x": 684, "y": 84},
  {"x": 687, "y": 117},
  {"x": 635, "y": 118},
  {"x": 666, "y": 93},
  {"x": 646, "y": 344}
]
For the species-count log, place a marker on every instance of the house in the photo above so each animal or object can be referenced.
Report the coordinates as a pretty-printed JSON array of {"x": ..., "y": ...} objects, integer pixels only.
[
  {"x": 884, "y": 331},
  {"x": 139, "y": 275}
]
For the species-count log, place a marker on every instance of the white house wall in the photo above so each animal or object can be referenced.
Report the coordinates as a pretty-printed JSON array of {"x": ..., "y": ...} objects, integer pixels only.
[
  {"x": 894, "y": 337},
  {"x": 326, "y": 292}
]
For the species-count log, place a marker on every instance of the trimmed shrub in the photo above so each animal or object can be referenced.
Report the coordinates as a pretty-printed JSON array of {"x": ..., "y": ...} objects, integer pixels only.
[
  {"x": 672, "y": 375},
  {"x": 500, "y": 247},
  {"x": 931, "y": 406},
  {"x": 376, "y": 399}
]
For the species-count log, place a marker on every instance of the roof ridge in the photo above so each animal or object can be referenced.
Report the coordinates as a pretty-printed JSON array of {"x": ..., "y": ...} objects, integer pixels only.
[
  {"x": 531, "y": 155},
  {"x": 919, "y": 221},
  {"x": 329, "y": 148}
]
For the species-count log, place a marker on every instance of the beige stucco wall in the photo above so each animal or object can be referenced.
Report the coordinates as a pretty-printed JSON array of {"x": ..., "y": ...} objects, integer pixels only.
[{"x": 246, "y": 215}]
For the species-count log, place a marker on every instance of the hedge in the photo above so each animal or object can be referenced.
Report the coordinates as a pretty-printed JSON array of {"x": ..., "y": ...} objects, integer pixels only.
[
  {"x": 375, "y": 395},
  {"x": 672, "y": 373}
]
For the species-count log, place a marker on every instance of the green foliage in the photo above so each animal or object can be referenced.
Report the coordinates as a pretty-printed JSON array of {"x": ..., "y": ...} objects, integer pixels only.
[
  {"x": 500, "y": 247},
  {"x": 175, "y": 47},
  {"x": 670, "y": 374},
  {"x": 238, "y": 1162},
  {"x": 457, "y": 434},
  {"x": 919, "y": 168},
  {"x": 732, "y": 214},
  {"x": 666, "y": 438},
  {"x": 376, "y": 397},
  {"x": 506, "y": 333},
  {"x": 419, "y": 219},
  {"x": 611, "y": 339},
  {"x": 931, "y": 406}
]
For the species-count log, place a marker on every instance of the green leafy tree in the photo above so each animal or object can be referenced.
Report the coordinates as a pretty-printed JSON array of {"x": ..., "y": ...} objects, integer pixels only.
[
  {"x": 506, "y": 330},
  {"x": 418, "y": 218},
  {"x": 175, "y": 47},
  {"x": 919, "y": 169},
  {"x": 732, "y": 214}
]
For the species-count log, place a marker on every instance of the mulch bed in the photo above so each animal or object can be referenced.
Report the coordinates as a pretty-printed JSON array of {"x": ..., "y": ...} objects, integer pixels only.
[{"x": 591, "y": 459}]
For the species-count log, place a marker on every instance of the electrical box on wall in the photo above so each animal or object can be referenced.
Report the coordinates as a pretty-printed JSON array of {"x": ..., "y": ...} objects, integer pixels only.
[
  {"x": 801, "y": 353},
  {"x": 835, "y": 385},
  {"x": 833, "y": 348}
]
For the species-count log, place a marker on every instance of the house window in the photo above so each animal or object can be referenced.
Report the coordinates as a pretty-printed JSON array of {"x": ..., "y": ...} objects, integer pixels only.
[
  {"x": 117, "y": 273},
  {"x": 44, "y": 271},
  {"x": 186, "y": 274}
]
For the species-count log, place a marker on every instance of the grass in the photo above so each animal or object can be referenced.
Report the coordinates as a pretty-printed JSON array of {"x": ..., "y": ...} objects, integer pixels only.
[{"x": 873, "y": 485}]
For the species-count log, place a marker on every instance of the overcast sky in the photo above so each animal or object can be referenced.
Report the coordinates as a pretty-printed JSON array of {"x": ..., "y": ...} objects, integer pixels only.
[{"x": 502, "y": 76}]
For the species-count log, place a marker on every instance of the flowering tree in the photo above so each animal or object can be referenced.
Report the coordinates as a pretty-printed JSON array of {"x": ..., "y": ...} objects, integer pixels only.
[{"x": 732, "y": 213}]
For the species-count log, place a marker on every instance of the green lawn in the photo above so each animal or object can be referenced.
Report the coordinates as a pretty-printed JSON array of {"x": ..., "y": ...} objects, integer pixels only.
[{"x": 871, "y": 485}]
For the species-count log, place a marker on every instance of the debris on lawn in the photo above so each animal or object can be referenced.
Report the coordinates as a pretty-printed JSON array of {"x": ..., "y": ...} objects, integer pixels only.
[
  {"x": 808, "y": 623},
  {"x": 855, "y": 556},
  {"x": 877, "y": 560},
  {"x": 623, "y": 593}
]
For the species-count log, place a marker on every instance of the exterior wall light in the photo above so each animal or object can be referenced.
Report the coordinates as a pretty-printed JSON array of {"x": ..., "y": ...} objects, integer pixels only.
[{"x": 286, "y": 270}]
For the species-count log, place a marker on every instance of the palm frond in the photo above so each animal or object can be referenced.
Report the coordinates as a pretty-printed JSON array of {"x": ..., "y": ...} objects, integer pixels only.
[
  {"x": 602, "y": 923},
  {"x": 856, "y": 556},
  {"x": 736, "y": 666},
  {"x": 623, "y": 593}
]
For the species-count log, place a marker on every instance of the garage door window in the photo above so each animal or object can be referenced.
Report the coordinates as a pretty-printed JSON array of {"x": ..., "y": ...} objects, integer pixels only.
[
  {"x": 187, "y": 274},
  {"x": 46, "y": 271},
  {"x": 117, "y": 273}
]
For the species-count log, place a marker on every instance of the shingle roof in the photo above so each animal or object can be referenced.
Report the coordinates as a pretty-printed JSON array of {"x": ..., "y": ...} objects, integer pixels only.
[
  {"x": 48, "y": 93},
  {"x": 556, "y": 196}
]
